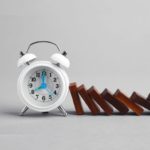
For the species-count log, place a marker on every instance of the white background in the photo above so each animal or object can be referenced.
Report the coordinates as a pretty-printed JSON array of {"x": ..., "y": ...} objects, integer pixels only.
[{"x": 108, "y": 45}]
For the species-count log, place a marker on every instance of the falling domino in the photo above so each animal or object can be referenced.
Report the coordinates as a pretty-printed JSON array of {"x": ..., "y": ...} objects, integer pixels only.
[
  {"x": 100, "y": 101},
  {"x": 137, "y": 98},
  {"x": 106, "y": 100},
  {"x": 87, "y": 99},
  {"x": 125, "y": 100},
  {"x": 148, "y": 98},
  {"x": 76, "y": 99},
  {"x": 108, "y": 96}
]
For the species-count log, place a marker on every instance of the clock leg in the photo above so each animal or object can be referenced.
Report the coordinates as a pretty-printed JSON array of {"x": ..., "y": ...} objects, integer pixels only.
[
  {"x": 23, "y": 111},
  {"x": 61, "y": 109},
  {"x": 45, "y": 113}
]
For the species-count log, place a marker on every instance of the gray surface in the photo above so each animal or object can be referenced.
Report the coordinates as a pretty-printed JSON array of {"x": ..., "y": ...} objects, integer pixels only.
[{"x": 108, "y": 45}]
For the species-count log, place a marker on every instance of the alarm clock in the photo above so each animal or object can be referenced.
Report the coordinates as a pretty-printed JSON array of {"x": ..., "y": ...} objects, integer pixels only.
[{"x": 43, "y": 85}]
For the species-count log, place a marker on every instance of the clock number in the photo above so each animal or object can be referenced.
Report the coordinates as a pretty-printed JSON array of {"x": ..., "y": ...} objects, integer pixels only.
[
  {"x": 37, "y": 96},
  {"x": 50, "y": 74},
  {"x": 50, "y": 97},
  {"x": 30, "y": 85},
  {"x": 54, "y": 79},
  {"x": 33, "y": 79},
  {"x": 55, "y": 92},
  {"x": 57, "y": 86},
  {"x": 38, "y": 74},
  {"x": 43, "y": 98},
  {"x": 32, "y": 91}
]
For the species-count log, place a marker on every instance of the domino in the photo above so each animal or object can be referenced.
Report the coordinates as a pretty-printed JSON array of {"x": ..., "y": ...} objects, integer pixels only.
[
  {"x": 87, "y": 99},
  {"x": 93, "y": 92},
  {"x": 126, "y": 101},
  {"x": 137, "y": 98},
  {"x": 76, "y": 99},
  {"x": 108, "y": 96}
]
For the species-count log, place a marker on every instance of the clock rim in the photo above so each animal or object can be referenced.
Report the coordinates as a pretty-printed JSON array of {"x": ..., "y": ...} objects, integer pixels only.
[{"x": 23, "y": 96}]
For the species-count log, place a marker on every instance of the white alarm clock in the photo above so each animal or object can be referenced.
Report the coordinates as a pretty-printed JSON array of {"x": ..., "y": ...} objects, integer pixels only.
[{"x": 43, "y": 85}]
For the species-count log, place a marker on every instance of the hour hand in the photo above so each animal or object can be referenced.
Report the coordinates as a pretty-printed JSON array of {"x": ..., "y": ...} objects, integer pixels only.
[{"x": 38, "y": 88}]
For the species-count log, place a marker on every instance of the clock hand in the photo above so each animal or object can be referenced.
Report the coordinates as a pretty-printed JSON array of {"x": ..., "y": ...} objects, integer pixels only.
[
  {"x": 42, "y": 86},
  {"x": 43, "y": 76},
  {"x": 49, "y": 91},
  {"x": 38, "y": 88}
]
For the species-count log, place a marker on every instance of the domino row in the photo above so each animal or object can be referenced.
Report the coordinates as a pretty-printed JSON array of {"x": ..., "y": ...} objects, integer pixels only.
[{"x": 106, "y": 101}]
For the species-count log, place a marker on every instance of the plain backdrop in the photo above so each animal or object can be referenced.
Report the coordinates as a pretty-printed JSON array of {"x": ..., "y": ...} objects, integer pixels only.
[{"x": 108, "y": 44}]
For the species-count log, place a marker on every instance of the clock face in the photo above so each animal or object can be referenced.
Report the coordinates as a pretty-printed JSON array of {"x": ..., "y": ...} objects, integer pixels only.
[{"x": 44, "y": 85}]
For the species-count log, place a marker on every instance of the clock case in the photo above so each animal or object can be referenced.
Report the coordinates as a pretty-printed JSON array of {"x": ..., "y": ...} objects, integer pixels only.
[{"x": 58, "y": 62}]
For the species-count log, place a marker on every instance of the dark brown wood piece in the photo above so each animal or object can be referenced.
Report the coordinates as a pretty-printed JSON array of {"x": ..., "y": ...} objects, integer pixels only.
[
  {"x": 93, "y": 92},
  {"x": 148, "y": 98},
  {"x": 87, "y": 99},
  {"x": 137, "y": 98},
  {"x": 125, "y": 100},
  {"x": 76, "y": 99},
  {"x": 107, "y": 95}
]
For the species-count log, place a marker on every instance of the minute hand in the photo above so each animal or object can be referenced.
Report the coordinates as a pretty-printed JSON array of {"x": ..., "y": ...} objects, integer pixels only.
[
  {"x": 43, "y": 77},
  {"x": 49, "y": 91}
]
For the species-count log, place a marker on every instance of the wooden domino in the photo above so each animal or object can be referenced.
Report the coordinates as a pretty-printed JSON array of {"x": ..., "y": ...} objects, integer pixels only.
[
  {"x": 126, "y": 101},
  {"x": 108, "y": 96},
  {"x": 87, "y": 99},
  {"x": 76, "y": 99},
  {"x": 137, "y": 98},
  {"x": 148, "y": 98},
  {"x": 93, "y": 92},
  {"x": 106, "y": 100}
]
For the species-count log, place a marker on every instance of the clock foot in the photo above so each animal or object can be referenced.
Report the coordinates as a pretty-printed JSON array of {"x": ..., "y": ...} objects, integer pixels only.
[
  {"x": 23, "y": 111},
  {"x": 61, "y": 109},
  {"x": 45, "y": 113}
]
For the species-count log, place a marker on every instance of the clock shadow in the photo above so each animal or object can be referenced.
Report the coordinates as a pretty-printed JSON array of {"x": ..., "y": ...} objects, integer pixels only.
[
  {"x": 32, "y": 114},
  {"x": 145, "y": 113},
  {"x": 41, "y": 115}
]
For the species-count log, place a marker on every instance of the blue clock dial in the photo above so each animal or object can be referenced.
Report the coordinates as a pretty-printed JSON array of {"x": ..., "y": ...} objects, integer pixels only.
[{"x": 44, "y": 85}]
